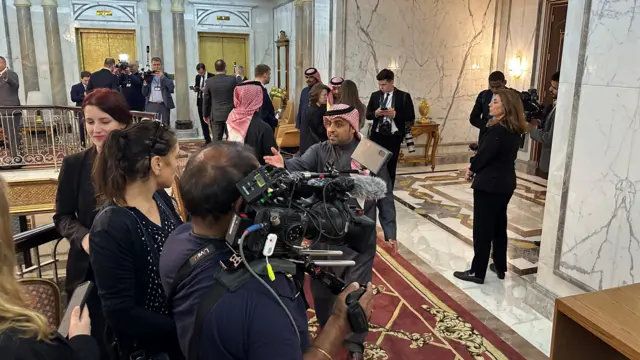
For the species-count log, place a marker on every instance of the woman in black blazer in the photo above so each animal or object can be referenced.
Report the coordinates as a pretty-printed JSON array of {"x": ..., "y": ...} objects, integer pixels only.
[
  {"x": 128, "y": 235},
  {"x": 494, "y": 181},
  {"x": 312, "y": 130},
  {"x": 104, "y": 111}
]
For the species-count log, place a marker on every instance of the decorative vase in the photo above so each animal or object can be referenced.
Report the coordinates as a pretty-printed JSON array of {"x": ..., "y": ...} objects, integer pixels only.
[{"x": 424, "y": 109}]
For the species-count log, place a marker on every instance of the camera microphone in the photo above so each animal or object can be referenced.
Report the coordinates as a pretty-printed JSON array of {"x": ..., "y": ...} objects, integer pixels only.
[{"x": 367, "y": 187}]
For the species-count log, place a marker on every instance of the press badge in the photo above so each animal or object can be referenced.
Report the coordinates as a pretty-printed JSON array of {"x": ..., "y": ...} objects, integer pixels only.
[
  {"x": 157, "y": 88},
  {"x": 128, "y": 85}
]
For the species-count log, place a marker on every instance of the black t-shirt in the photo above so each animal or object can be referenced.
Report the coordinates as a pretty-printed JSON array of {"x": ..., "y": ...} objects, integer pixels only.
[{"x": 246, "y": 324}]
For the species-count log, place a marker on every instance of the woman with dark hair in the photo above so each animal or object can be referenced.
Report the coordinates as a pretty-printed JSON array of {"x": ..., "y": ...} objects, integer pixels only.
[
  {"x": 312, "y": 129},
  {"x": 104, "y": 110},
  {"x": 493, "y": 173},
  {"x": 349, "y": 96},
  {"x": 127, "y": 237}
]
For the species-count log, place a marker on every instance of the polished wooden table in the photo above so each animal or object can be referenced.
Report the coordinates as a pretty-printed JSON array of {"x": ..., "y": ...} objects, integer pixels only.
[
  {"x": 430, "y": 147},
  {"x": 602, "y": 325}
]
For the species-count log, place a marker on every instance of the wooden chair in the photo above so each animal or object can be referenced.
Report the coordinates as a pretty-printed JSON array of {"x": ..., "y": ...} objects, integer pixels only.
[
  {"x": 287, "y": 115},
  {"x": 277, "y": 103},
  {"x": 43, "y": 296},
  {"x": 175, "y": 193},
  {"x": 288, "y": 136}
]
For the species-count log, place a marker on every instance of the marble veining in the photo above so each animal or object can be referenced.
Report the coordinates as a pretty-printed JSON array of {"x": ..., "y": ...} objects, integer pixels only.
[{"x": 416, "y": 41}]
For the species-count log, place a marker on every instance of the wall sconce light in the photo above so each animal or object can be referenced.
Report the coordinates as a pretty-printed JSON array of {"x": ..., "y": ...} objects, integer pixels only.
[
  {"x": 517, "y": 66},
  {"x": 393, "y": 65},
  {"x": 475, "y": 66}
]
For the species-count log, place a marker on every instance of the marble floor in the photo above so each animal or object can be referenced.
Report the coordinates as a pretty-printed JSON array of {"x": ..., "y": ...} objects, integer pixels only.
[
  {"x": 445, "y": 250},
  {"x": 446, "y": 199}
]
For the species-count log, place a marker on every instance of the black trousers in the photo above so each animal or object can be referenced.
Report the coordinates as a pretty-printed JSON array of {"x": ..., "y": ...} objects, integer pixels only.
[
  {"x": 489, "y": 226},
  {"x": 391, "y": 143},
  {"x": 219, "y": 129},
  {"x": 205, "y": 127}
]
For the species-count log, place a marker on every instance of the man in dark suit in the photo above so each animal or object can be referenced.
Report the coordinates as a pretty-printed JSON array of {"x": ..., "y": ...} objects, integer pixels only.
[
  {"x": 201, "y": 78},
  {"x": 267, "y": 112},
  {"x": 480, "y": 113},
  {"x": 131, "y": 86},
  {"x": 543, "y": 133},
  {"x": 393, "y": 114},
  {"x": 218, "y": 98},
  {"x": 78, "y": 92},
  {"x": 312, "y": 77},
  {"x": 158, "y": 92},
  {"x": 104, "y": 78},
  {"x": 9, "y": 86}
]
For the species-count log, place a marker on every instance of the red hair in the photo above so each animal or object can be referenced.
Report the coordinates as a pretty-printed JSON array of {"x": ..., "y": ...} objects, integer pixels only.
[{"x": 110, "y": 102}]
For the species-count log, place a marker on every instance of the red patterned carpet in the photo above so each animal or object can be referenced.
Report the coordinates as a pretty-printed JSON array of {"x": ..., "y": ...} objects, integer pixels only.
[{"x": 414, "y": 319}]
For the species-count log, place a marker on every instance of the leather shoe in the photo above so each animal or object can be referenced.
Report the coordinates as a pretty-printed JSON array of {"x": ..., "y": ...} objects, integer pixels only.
[
  {"x": 467, "y": 275},
  {"x": 355, "y": 356},
  {"x": 492, "y": 267}
]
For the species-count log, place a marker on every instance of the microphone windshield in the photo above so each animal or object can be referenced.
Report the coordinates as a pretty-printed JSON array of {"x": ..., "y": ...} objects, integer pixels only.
[{"x": 368, "y": 187}]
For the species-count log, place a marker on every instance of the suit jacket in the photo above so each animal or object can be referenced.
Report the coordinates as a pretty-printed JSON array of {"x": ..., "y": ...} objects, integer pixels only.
[
  {"x": 494, "y": 164},
  {"x": 9, "y": 85},
  {"x": 77, "y": 93},
  {"x": 103, "y": 78},
  {"x": 218, "y": 96},
  {"x": 14, "y": 346},
  {"x": 401, "y": 102},
  {"x": 75, "y": 211},
  {"x": 197, "y": 85},
  {"x": 267, "y": 112},
  {"x": 480, "y": 113},
  {"x": 167, "y": 87},
  {"x": 545, "y": 137},
  {"x": 303, "y": 106},
  {"x": 131, "y": 87}
]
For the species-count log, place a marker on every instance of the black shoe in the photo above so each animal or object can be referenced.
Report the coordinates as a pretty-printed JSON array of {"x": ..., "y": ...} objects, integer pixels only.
[
  {"x": 468, "y": 276},
  {"x": 492, "y": 267}
]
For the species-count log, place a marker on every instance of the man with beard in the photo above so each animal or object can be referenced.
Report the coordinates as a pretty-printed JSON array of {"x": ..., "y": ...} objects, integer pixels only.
[
  {"x": 342, "y": 123},
  {"x": 334, "y": 90},
  {"x": 312, "y": 77}
]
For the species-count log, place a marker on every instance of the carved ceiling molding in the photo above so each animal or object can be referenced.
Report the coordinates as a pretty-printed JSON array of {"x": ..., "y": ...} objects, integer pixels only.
[
  {"x": 228, "y": 16},
  {"x": 105, "y": 11}
]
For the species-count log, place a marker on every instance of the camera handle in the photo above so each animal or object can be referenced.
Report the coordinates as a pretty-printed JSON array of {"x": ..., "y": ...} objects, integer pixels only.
[{"x": 355, "y": 313}]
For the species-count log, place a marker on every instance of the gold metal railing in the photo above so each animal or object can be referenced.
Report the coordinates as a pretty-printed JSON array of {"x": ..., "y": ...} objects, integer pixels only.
[{"x": 40, "y": 136}]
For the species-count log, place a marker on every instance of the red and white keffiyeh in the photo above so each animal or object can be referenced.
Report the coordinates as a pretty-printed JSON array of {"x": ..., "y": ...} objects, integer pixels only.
[
  {"x": 247, "y": 99},
  {"x": 335, "y": 82},
  {"x": 350, "y": 115}
]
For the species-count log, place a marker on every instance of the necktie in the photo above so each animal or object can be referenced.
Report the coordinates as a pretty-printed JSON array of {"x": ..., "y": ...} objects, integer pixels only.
[{"x": 386, "y": 99}]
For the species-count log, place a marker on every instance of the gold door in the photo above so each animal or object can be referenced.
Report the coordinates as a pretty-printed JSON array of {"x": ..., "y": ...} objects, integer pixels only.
[
  {"x": 229, "y": 47},
  {"x": 95, "y": 45}
]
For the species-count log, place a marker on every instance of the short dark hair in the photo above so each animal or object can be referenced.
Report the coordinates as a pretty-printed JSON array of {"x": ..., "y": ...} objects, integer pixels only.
[
  {"x": 555, "y": 76},
  {"x": 316, "y": 90},
  {"x": 208, "y": 183},
  {"x": 109, "y": 62},
  {"x": 3, "y": 59},
  {"x": 496, "y": 76},
  {"x": 126, "y": 157},
  {"x": 385, "y": 74},
  {"x": 201, "y": 66},
  {"x": 220, "y": 65},
  {"x": 261, "y": 69},
  {"x": 156, "y": 59},
  {"x": 111, "y": 102},
  {"x": 84, "y": 74}
]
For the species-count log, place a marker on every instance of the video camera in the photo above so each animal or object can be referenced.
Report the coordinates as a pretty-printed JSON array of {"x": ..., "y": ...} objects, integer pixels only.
[
  {"x": 532, "y": 108},
  {"x": 296, "y": 206}
]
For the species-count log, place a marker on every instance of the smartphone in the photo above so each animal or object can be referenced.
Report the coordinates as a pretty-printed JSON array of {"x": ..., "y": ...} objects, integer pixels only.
[{"x": 79, "y": 298}]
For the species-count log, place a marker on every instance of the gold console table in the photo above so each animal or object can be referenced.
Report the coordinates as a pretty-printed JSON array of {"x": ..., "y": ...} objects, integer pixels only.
[
  {"x": 430, "y": 147},
  {"x": 30, "y": 197}
]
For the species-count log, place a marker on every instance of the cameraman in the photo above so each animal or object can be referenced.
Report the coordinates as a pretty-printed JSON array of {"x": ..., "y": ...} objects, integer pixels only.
[
  {"x": 480, "y": 113},
  {"x": 131, "y": 86},
  {"x": 543, "y": 133},
  {"x": 247, "y": 323},
  {"x": 342, "y": 123}
]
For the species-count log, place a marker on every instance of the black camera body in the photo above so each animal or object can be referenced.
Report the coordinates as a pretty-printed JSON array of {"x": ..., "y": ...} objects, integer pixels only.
[
  {"x": 299, "y": 206},
  {"x": 122, "y": 65},
  {"x": 532, "y": 108}
]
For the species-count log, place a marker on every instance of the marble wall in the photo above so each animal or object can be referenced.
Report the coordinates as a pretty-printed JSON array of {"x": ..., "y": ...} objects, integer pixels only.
[
  {"x": 592, "y": 218},
  {"x": 259, "y": 28},
  {"x": 284, "y": 19},
  {"x": 439, "y": 50}
]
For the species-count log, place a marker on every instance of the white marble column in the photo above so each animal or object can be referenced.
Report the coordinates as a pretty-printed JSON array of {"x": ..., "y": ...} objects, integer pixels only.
[
  {"x": 154, "y": 7},
  {"x": 27, "y": 48},
  {"x": 339, "y": 38},
  {"x": 591, "y": 228},
  {"x": 304, "y": 39},
  {"x": 180, "y": 56},
  {"x": 54, "y": 51}
]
